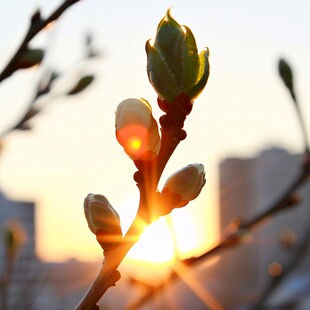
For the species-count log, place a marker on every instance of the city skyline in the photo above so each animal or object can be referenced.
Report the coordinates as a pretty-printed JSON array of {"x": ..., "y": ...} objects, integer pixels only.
[{"x": 72, "y": 149}]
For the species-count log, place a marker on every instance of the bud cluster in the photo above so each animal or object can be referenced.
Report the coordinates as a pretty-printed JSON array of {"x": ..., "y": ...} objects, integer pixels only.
[{"x": 178, "y": 74}]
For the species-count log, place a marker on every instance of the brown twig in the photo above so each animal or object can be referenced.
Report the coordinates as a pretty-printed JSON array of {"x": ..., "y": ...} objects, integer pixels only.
[
  {"x": 235, "y": 238},
  {"x": 301, "y": 121},
  {"x": 287, "y": 270},
  {"x": 36, "y": 25},
  {"x": 108, "y": 275},
  {"x": 147, "y": 181},
  {"x": 147, "y": 178},
  {"x": 284, "y": 202}
]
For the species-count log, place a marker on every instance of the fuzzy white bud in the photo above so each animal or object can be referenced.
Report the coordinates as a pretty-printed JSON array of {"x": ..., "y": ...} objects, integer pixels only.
[
  {"x": 136, "y": 129},
  {"x": 103, "y": 220},
  {"x": 185, "y": 185}
]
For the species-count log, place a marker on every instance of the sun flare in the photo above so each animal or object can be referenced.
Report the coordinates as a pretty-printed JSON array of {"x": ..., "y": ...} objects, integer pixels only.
[
  {"x": 170, "y": 237},
  {"x": 135, "y": 143},
  {"x": 134, "y": 139},
  {"x": 155, "y": 244}
]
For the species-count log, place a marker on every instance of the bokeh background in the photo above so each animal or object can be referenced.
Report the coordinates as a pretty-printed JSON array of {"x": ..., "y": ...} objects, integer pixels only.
[{"x": 72, "y": 151}]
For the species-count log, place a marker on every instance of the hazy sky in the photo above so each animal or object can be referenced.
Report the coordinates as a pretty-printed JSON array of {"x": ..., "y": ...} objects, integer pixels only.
[{"x": 73, "y": 151}]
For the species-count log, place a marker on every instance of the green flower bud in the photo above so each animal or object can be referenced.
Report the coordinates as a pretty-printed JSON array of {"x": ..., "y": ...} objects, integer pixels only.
[
  {"x": 31, "y": 57},
  {"x": 184, "y": 185},
  {"x": 173, "y": 63},
  {"x": 136, "y": 129},
  {"x": 286, "y": 74},
  {"x": 82, "y": 84},
  {"x": 103, "y": 220}
]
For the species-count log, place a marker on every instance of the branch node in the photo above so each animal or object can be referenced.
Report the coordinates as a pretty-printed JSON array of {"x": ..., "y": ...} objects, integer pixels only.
[{"x": 36, "y": 17}]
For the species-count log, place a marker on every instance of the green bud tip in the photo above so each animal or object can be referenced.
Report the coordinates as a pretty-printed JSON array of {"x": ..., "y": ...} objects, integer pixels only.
[{"x": 174, "y": 65}]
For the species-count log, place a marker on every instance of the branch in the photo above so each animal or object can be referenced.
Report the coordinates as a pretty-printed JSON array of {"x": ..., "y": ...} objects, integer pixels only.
[
  {"x": 301, "y": 123},
  {"x": 147, "y": 178},
  {"x": 36, "y": 25},
  {"x": 296, "y": 259},
  {"x": 43, "y": 88},
  {"x": 287, "y": 200},
  {"x": 235, "y": 238},
  {"x": 152, "y": 291}
]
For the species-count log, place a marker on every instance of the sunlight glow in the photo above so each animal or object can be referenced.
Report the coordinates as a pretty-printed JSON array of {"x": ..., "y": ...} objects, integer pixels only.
[
  {"x": 174, "y": 236},
  {"x": 134, "y": 139},
  {"x": 50, "y": 25},
  {"x": 135, "y": 143},
  {"x": 155, "y": 244},
  {"x": 186, "y": 233}
]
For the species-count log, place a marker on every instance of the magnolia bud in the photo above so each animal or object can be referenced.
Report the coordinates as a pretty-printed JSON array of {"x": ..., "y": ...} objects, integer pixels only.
[
  {"x": 173, "y": 63},
  {"x": 286, "y": 74},
  {"x": 136, "y": 129},
  {"x": 103, "y": 220},
  {"x": 30, "y": 58},
  {"x": 81, "y": 84},
  {"x": 184, "y": 185}
]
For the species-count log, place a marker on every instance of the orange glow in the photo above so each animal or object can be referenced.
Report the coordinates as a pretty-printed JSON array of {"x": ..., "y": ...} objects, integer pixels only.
[
  {"x": 49, "y": 26},
  {"x": 163, "y": 240},
  {"x": 274, "y": 269},
  {"x": 152, "y": 254},
  {"x": 155, "y": 244},
  {"x": 187, "y": 233},
  {"x": 134, "y": 139},
  {"x": 135, "y": 143}
]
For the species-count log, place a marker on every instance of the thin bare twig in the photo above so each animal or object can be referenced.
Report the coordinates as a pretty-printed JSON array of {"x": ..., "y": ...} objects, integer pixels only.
[
  {"x": 301, "y": 123},
  {"x": 36, "y": 25},
  {"x": 287, "y": 270},
  {"x": 285, "y": 201},
  {"x": 235, "y": 239}
]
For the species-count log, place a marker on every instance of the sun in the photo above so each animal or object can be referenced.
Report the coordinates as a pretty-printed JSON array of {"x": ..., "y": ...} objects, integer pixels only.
[
  {"x": 180, "y": 235},
  {"x": 175, "y": 236},
  {"x": 155, "y": 244}
]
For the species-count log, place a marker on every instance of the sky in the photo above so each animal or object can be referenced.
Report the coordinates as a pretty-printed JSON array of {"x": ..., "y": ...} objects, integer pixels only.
[{"x": 72, "y": 150}]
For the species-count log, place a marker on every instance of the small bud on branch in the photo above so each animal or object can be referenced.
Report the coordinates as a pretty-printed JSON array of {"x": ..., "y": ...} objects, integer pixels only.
[
  {"x": 173, "y": 63},
  {"x": 286, "y": 74},
  {"x": 30, "y": 58},
  {"x": 184, "y": 185},
  {"x": 136, "y": 129},
  {"x": 103, "y": 221}
]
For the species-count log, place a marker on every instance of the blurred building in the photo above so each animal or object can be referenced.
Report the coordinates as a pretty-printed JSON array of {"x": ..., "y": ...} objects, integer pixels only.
[
  {"x": 23, "y": 269},
  {"x": 24, "y": 212},
  {"x": 34, "y": 284},
  {"x": 235, "y": 280},
  {"x": 247, "y": 188}
]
